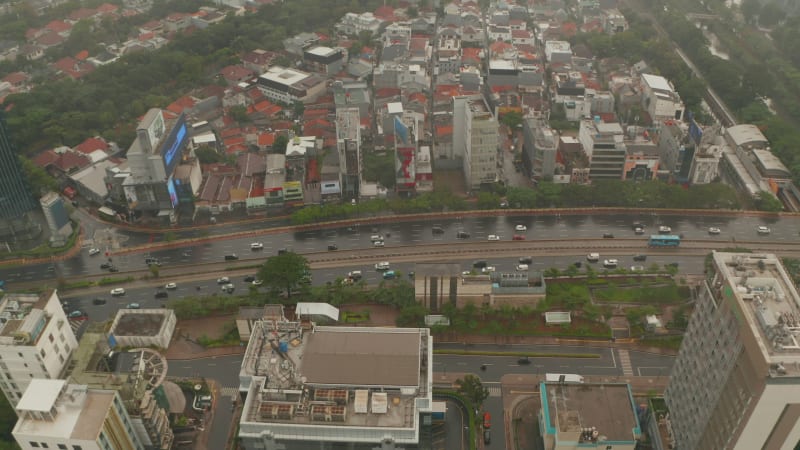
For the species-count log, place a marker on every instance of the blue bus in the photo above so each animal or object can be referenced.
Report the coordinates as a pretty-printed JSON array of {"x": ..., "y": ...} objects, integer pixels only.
[{"x": 661, "y": 240}]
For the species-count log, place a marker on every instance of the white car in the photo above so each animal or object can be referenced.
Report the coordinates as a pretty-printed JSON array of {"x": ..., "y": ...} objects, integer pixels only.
[
  {"x": 763, "y": 230},
  {"x": 170, "y": 286},
  {"x": 378, "y": 244},
  {"x": 223, "y": 280},
  {"x": 257, "y": 246},
  {"x": 257, "y": 282},
  {"x": 638, "y": 230},
  {"x": 489, "y": 269},
  {"x": 228, "y": 288},
  {"x": 355, "y": 275},
  {"x": 383, "y": 265},
  {"x": 663, "y": 229},
  {"x": 522, "y": 267},
  {"x": 637, "y": 268},
  {"x": 714, "y": 230},
  {"x": 610, "y": 263},
  {"x": 493, "y": 237},
  {"x": 93, "y": 251},
  {"x": 117, "y": 292},
  {"x": 376, "y": 237},
  {"x": 467, "y": 273},
  {"x": 521, "y": 228},
  {"x": 593, "y": 257}
]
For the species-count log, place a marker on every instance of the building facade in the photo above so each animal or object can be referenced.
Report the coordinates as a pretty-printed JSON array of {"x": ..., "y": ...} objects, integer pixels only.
[
  {"x": 36, "y": 341},
  {"x": 284, "y": 85},
  {"x": 16, "y": 200},
  {"x": 736, "y": 383},
  {"x": 540, "y": 148},
  {"x": 475, "y": 139},
  {"x": 604, "y": 146},
  {"x": 57, "y": 218},
  {"x": 348, "y": 144}
]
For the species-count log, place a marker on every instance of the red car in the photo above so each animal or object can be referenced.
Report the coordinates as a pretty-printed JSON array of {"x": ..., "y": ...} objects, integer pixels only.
[
  {"x": 487, "y": 420},
  {"x": 518, "y": 237}
]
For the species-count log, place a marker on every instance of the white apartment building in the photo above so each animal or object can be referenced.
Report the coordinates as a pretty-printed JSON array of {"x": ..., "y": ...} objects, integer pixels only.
[
  {"x": 348, "y": 144},
  {"x": 290, "y": 85},
  {"x": 660, "y": 99},
  {"x": 36, "y": 341},
  {"x": 354, "y": 24},
  {"x": 475, "y": 139},
  {"x": 605, "y": 147},
  {"x": 736, "y": 382},
  {"x": 57, "y": 415},
  {"x": 309, "y": 386}
]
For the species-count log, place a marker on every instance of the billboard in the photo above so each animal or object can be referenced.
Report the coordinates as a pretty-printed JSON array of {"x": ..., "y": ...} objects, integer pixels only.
[
  {"x": 153, "y": 127},
  {"x": 173, "y": 194},
  {"x": 405, "y": 168},
  {"x": 174, "y": 144}
]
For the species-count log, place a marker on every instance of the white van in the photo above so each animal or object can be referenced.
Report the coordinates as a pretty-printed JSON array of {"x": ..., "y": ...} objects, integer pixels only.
[
  {"x": 522, "y": 267},
  {"x": 593, "y": 257}
]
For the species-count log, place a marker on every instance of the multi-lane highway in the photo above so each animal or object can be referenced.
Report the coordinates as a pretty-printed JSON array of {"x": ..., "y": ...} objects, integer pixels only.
[{"x": 115, "y": 242}]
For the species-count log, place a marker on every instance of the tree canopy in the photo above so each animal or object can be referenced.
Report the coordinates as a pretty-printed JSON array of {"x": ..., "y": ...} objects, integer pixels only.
[
  {"x": 471, "y": 387},
  {"x": 284, "y": 272}
]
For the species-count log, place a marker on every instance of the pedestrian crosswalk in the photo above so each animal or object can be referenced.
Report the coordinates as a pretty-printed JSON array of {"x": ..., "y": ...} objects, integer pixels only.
[
  {"x": 76, "y": 324},
  {"x": 494, "y": 391},
  {"x": 625, "y": 362},
  {"x": 229, "y": 391}
]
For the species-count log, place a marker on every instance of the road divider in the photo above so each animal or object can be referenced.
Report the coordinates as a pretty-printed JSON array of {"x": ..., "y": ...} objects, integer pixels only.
[{"x": 446, "y": 351}]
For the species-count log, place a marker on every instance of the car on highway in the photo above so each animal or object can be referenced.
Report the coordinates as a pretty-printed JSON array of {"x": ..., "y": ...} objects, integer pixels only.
[
  {"x": 282, "y": 251},
  {"x": 116, "y": 292},
  {"x": 231, "y": 257},
  {"x": 714, "y": 230},
  {"x": 577, "y": 264},
  {"x": 105, "y": 265},
  {"x": 674, "y": 265},
  {"x": 376, "y": 237},
  {"x": 638, "y": 230},
  {"x": 610, "y": 263},
  {"x": 77, "y": 314},
  {"x": 467, "y": 273},
  {"x": 608, "y": 236},
  {"x": 488, "y": 269},
  {"x": 525, "y": 260},
  {"x": 524, "y": 361},
  {"x": 593, "y": 257},
  {"x": 640, "y": 257},
  {"x": 332, "y": 247},
  {"x": 389, "y": 275},
  {"x": 133, "y": 306},
  {"x": 171, "y": 286},
  {"x": 487, "y": 437},
  {"x": 223, "y": 280},
  {"x": 383, "y": 265},
  {"x": 98, "y": 301},
  {"x": 378, "y": 244},
  {"x": 437, "y": 229},
  {"x": 462, "y": 235},
  {"x": 487, "y": 420},
  {"x": 113, "y": 269},
  {"x": 493, "y": 237},
  {"x": 161, "y": 294},
  {"x": 637, "y": 268},
  {"x": 93, "y": 251},
  {"x": 354, "y": 275},
  {"x": 229, "y": 288},
  {"x": 518, "y": 237},
  {"x": 479, "y": 263},
  {"x": 663, "y": 229},
  {"x": 249, "y": 278},
  {"x": 257, "y": 282},
  {"x": 520, "y": 228},
  {"x": 522, "y": 267},
  {"x": 763, "y": 230},
  {"x": 257, "y": 246}
]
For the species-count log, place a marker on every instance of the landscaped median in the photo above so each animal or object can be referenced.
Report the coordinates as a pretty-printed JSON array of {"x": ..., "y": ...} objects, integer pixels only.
[{"x": 446, "y": 351}]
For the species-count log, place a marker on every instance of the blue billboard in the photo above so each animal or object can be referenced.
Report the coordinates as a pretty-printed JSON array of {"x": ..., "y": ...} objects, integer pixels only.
[
  {"x": 174, "y": 144},
  {"x": 173, "y": 194}
]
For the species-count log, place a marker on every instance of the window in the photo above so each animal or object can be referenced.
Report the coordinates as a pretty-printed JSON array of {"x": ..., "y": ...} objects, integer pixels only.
[
  {"x": 44, "y": 445},
  {"x": 77, "y": 447},
  {"x": 50, "y": 337},
  {"x": 41, "y": 352},
  {"x": 20, "y": 354},
  {"x": 62, "y": 447},
  {"x": 34, "y": 444}
]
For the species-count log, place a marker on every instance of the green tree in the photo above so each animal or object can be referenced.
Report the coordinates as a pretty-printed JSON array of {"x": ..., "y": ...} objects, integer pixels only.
[
  {"x": 765, "y": 201},
  {"x": 39, "y": 180},
  {"x": 750, "y": 10},
  {"x": 511, "y": 119},
  {"x": 207, "y": 155},
  {"x": 471, "y": 387},
  {"x": 284, "y": 272},
  {"x": 279, "y": 146},
  {"x": 771, "y": 14},
  {"x": 239, "y": 113},
  {"x": 488, "y": 200}
]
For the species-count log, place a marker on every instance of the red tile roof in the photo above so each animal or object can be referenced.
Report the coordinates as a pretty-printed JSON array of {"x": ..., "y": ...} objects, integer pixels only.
[
  {"x": 181, "y": 104},
  {"x": 50, "y": 39},
  {"x": 282, "y": 125},
  {"x": 312, "y": 171},
  {"x": 83, "y": 54},
  {"x": 16, "y": 78},
  {"x": 228, "y": 132},
  {"x": 266, "y": 139},
  {"x": 384, "y": 13},
  {"x": 107, "y": 8},
  {"x": 236, "y": 73},
  {"x": 387, "y": 92},
  {"x": 72, "y": 67},
  {"x": 235, "y": 148},
  {"x": 59, "y": 26},
  {"x": 45, "y": 158},
  {"x": 92, "y": 144},
  {"x": 521, "y": 34}
]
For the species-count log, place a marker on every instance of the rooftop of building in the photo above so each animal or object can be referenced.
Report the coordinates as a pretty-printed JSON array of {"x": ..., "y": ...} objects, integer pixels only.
[
  {"x": 767, "y": 297},
  {"x": 745, "y": 134},
  {"x": 657, "y": 82},
  {"x": 72, "y": 411},
  {"x": 139, "y": 322},
  {"x": 596, "y": 412},
  {"x": 21, "y": 316},
  {"x": 284, "y": 75}
]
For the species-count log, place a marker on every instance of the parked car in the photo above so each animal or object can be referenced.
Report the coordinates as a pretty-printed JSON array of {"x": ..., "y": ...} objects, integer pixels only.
[
  {"x": 257, "y": 246},
  {"x": 257, "y": 282},
  {"x": 383, "y": 265},
  {"x": 171, "y": 286},
  {"x": 487, "y": 437},
  {"x": 479, "y": 264},
  {"x": 116, "y": 292},
  {"x": 133, "y": 306},
  {"x": 99, "y": 301},
  {"x": 223, "y": 280},
  {"x": 521, "y": 228},
  {"x": 113, "y": 269},
  {"x": 488, "y": 269},
  {"x": 93, "y": 251},
  {"x": 487, "y": 420}
]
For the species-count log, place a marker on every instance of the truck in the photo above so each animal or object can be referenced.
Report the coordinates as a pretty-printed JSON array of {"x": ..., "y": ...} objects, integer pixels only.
[
  {"x": 563, "y": 378},
  {"x": 438, "y": 411}
]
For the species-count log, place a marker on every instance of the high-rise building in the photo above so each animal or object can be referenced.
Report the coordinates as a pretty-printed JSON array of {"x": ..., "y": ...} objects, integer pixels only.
[
  {"x": 16, "y": 200},
  {"x": 348, "y": 143},
  {"x": 475, "y": 139},
  {"x": 604, "y": 146},
  {"x": 736, "y": 382},
  {"x": 54, "y": 414},
  {"x": 540, "y": 148},
  {"x": 36, "y": 341},
  {"x": 55, "y": 213},
  {"x": 309, "y": 386}
]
